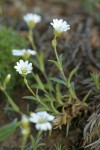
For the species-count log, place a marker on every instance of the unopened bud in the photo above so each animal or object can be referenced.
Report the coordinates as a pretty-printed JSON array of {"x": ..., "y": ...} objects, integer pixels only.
[
  {"x": 25, "y": 125},
  {"x": 7, "y": 79}
]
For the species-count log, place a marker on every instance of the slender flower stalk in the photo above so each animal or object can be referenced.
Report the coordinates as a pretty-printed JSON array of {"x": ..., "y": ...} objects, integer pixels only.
[
  {"x": 54, "y": 44},
  {"x": 26, "y": 83},
  {"x": 32, "y": 20},
  {"x": 59, "y": 27},
  {"x": 11, "y": 102},
  {"x": 31, "y": 39}
]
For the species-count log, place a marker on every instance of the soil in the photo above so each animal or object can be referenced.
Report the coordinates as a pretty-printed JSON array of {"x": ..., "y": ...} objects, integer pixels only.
[{"x": 78, "y": 47}]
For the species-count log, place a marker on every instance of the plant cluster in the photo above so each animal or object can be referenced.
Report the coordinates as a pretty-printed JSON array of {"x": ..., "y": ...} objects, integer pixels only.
[{"x": 55, "y": 107}]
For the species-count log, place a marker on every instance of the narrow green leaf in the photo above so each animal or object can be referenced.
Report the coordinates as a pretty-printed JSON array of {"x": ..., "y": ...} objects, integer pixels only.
[
  {"x": 40, "y": 145},
  {"x": 29, "y": 97},
  {"x": 55, "y": 62},
  {"x": 42, "y": 109},
  {"x": 58, "y": 95},
  {"x": 41, "y": 86},
  {"x": 86, "y": 96},
  {"x": 72, "y": 90},
  {"x": 72, "y": 73},
  {"x": 58, "y": 80},
  {"x": 8, "y": 130},
  {"x": 41, "y": 61}
]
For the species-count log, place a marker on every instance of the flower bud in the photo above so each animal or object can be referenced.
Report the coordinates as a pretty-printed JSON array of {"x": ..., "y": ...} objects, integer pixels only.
[
  {"x": 7, "y": 79},
  {"x": 25, "y": 125}
]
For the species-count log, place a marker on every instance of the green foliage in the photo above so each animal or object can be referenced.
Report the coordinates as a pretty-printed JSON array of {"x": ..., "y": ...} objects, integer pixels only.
[
  {"x": 8, "y": 130},
  {"x": 98, "y": 53},
  {"x": 96, "y": 79},
  {"x": 60, "y": 81},
  {"x": 9, "y": 40},
  {"x": 36, "y": 141},
  {"x": 58, "y": 146},
  {"x": 90, "y": 6}
]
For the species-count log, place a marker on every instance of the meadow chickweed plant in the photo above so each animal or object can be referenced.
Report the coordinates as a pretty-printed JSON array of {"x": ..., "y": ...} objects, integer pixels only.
[
  {"x": 59, "y": 26},
  {"x": 52, "y": 100},
  {"x": 25, "y": 53},
  {"x": 32, "y": 20},
  {"x": 42, "y": 123}
]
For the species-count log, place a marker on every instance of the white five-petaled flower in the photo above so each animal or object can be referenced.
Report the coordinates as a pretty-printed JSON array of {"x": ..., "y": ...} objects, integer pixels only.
[
  {"x": 23, "y": 67},
  {"x": 25, "y": 53},
  {"x": 42, "y": 120},
  {"x": 60, "y": 25},
  {"x": 32, "y": 19}
]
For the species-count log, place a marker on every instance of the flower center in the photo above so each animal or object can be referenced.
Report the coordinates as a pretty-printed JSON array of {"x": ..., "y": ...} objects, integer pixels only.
[
  {"x": 24, "y": 70},
  {"x": 26, "y": 55},
  {"x": 41, "y": 120}
]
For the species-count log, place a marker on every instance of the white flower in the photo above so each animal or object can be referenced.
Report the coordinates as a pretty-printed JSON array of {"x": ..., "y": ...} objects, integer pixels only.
[
  {"x": 60, "y": 25},
  {"x": 42, "y": 120},
  {"x": 24, "y": 53},
  {"x": 32, "y": 18},
  {"x": 23, "y": 67}
]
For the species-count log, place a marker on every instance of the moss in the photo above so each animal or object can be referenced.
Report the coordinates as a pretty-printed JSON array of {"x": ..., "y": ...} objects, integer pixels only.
[{"x": 9, "y": 40}]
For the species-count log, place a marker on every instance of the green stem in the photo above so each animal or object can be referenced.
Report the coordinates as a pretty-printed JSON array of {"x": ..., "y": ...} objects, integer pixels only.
[
  {"x": 60, "y": 64},
  {"x": 55, "y": 49},
  {"x": 37, "y": 55},
  {"x": 39, "y": 134},
  {"x": 31, "y": 39},
  {"x": 15, "y": 107},
  {"x": 53, "y": 108},
  {"x": 26, "y": 83},
  {"x": 64, "y": 76},
  {"x": 23, "y": 142}
]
